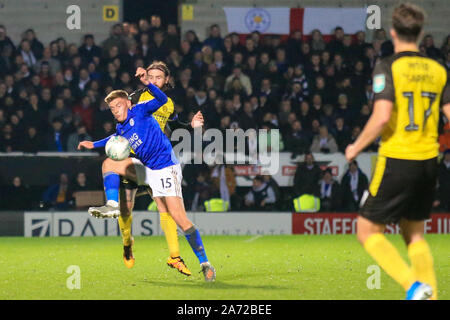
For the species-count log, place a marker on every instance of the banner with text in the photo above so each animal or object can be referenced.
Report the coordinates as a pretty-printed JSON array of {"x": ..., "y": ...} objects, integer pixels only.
[
  {"x": 345, "y": 223},
  {"x": 81, "y": 224}
]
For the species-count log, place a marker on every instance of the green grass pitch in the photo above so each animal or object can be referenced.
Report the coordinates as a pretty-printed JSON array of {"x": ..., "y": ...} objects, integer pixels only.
[{"x": 262, "y": 267}]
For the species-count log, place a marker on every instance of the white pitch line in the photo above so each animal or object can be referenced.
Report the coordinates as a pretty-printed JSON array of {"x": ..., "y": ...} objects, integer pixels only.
[{"x": 253, "y": 238}]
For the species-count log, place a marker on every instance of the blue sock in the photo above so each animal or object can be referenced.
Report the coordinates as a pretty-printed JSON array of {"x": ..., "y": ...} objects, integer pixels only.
[
  {"x": 111, "y": 182},
  {"x": 193, "y": 237}
]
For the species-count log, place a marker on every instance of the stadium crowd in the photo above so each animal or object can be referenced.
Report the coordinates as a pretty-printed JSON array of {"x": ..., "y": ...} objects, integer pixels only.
[{"x": 316, "y": 92}]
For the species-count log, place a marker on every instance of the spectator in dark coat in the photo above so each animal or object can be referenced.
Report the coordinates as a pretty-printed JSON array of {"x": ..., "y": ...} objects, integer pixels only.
[
  {"x": 344, "y": 110},
  {"x": 75, "y": 138},
  {"x": 313, "y": 68},
  {"x": 36, "y": 46},
  {"x": 322, "y": 90},
  {"x": 58, "y": 195},
  {"x": 5, "y": 41},
  {"x": 155, "y": 24},
  {"x": 296, "y": 95},
  {"x": 261, "y": 196},
  {"x": 275, "y": 186},
  {"x": 9, "y": 141},
  {"x": 28, "y": 55},
  {"x": 307, "y": 175},
  {"x": 116, "y": 39},
  {"x": 297, "y": 140},
  {"x": 172, "y": 40},
  {"x": 214, "y": 40},
  {"x": 336, "y": 45},
  {"x": 363, "y": 116},
  {"x": 341, "y": 133},
  {"x": 203, "y": 191},
  {"x": 16, "y": 196},
  {"x": 60, "y": 111},
  {"x": 329, "y": 193},
  {"x": 81, "y": 183},
  {"x": 158, "y": 51},
  {"x": 353, "y": 184},
  {"x": 246, "y": 118},
  {"x": 328, "y": 116},
  {"x": 32, "y": 142},
  {"x": 56, "y": 140},
  {"x": 430, "y": 49},
  {"x": 89, "y": 49},
  {"x": 101, "y": 115},
  {"x": 294, "y": 47}
]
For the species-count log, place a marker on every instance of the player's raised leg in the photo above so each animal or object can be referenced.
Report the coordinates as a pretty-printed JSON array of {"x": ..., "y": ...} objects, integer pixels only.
[
  {"x": 176, "y": 208},
  {"x": 419, "y": 253},
  {"x": 169, "y": 226},
  {"x": 112, "y": 170}
]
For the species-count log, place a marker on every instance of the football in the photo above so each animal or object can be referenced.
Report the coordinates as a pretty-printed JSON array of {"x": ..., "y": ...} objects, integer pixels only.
[{"x": 117, "y": 148}]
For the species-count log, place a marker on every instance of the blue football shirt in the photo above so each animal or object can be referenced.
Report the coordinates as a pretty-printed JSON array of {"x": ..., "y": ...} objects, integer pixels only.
[
  {"x": 146, "y": 138},
  {"x": 149, "y": 143}
]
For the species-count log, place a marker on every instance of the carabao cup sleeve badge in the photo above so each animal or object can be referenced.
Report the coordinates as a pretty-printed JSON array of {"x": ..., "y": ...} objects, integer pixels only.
[{"x": 379, "y": 82}]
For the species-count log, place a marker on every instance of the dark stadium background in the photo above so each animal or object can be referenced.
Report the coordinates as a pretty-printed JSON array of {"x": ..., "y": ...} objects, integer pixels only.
[
  {"x": 347, "y": 78},
  {"x": 133, "y": 10}
]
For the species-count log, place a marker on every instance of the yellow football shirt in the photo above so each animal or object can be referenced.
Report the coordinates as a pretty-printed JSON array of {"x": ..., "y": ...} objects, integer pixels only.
[
  {"x": 415, "y": 84},
  {"x": 161, "y": 115}
]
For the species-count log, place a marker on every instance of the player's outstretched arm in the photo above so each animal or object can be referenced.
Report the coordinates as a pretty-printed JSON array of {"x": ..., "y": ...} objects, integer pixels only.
[
  {"x": 160, "y": 97},
  {"x": 157, "y": 93},
  {"x": 86, "y": 144},
  {"x": 175, "y": 122},
  {"x": 151, "y": 106},
  {"x": 95, "y": 144},
  {"x": 141, "y": 73}
]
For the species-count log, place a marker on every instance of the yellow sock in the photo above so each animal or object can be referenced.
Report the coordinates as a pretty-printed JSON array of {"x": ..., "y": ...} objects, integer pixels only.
[
  {"x": 125, "y": 229},
  {"x": 387, "y": 256},
  {"x": 422, "y": 264},
  {"x": 169, "y": 226}
]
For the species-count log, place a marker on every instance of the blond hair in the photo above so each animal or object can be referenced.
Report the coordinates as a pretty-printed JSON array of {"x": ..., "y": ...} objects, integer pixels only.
[
  {"x": 161, "y": 66},
  {"x": 116, "y": 94}
]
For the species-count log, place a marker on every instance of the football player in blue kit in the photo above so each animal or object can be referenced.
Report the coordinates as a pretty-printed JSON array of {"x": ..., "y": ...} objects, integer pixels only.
[{"x": 154, "y": 165}]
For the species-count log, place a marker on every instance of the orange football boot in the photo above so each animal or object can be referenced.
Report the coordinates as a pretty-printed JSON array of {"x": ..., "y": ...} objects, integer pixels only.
[{"x": 128, "y": 257}]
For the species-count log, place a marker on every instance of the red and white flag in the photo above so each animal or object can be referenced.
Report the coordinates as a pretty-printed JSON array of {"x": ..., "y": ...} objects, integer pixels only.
[{"x": 283, "y": 21}]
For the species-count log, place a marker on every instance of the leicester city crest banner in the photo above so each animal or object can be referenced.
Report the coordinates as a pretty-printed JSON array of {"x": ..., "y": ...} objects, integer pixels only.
[
  {"x": 264, "y": 20},
  {"x": 284, "y": 20}
]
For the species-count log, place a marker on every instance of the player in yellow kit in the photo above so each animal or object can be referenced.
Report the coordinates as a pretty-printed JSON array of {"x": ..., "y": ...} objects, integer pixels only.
[{"x": 408, "y": 90}]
